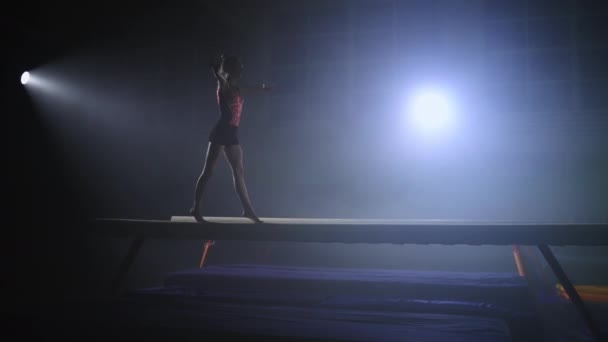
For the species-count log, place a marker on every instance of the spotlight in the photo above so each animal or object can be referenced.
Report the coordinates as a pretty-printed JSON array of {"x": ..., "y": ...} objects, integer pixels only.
[
  {"x": 25, "y": 77},
  {"x": 430, "y": 111}
]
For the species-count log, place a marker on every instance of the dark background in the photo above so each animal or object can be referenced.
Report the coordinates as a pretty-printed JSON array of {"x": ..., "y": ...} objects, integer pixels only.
[{"x": 117, "y": 126}]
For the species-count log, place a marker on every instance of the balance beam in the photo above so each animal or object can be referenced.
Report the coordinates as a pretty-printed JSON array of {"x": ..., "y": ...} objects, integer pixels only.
[{"x": 447, "y": 232}]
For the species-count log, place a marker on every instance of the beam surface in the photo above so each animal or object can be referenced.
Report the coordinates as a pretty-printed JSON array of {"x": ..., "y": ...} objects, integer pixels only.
[{"x": 448, "y": 232}]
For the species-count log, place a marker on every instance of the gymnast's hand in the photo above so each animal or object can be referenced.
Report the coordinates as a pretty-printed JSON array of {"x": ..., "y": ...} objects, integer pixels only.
[
  {"x": 216, "y": 62},
  {"x": 267, "y": 87}
]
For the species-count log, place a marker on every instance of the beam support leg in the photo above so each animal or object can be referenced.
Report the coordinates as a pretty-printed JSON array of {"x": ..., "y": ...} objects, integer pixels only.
[
  {"x": 118, "y": 281},
  {"x": 570, "y": 290}
]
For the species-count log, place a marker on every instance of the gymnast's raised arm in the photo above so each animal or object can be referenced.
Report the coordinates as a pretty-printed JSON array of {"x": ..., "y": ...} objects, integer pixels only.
[{"x": 218, "y": 72}]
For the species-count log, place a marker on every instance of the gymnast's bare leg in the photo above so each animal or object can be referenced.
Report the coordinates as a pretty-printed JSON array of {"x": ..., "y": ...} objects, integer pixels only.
[
  {"x": 213, "y": 153},
  {"x": 234, "y": 155}
]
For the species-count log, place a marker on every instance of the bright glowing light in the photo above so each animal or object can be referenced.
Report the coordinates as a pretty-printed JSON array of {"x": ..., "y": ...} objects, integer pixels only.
[
  {"x": 25, "y": 77},
  {"x": 430, "y": 112}
]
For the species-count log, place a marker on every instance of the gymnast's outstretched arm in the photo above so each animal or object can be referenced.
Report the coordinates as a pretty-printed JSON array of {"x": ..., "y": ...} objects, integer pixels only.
[{"x": 256, "y": 89}]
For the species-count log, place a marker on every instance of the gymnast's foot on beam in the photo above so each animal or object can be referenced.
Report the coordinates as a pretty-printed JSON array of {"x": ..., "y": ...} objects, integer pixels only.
[
  {"x": 197, "y": 216},
  {"x": 252, "y": 216}
]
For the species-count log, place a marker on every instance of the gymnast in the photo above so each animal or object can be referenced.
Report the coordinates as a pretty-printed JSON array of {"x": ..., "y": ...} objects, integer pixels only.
[{"x": 223, "y": 138}]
